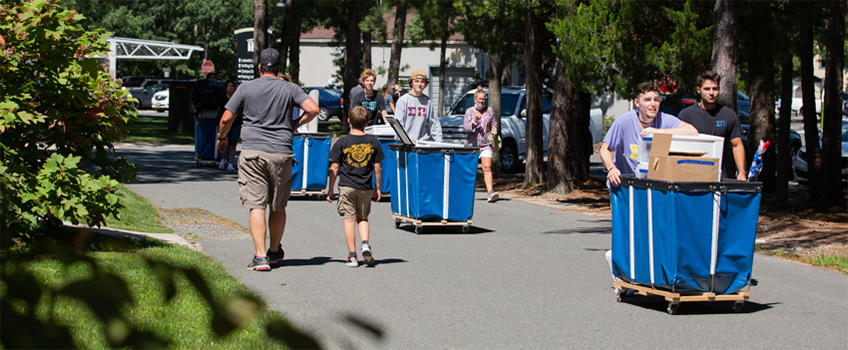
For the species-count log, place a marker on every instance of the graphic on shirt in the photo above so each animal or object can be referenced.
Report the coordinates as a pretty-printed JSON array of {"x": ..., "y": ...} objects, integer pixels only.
[
  {"x": 633, "y": 149},
  {"x": 358, "y": 155},
  {"x": 369, "y": 105},
  {"x": 416, "y": 111},
  {"x": 719, "y": 123}
]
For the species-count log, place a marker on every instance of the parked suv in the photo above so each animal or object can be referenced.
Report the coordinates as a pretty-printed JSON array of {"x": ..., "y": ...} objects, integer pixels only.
[{"x": 513, "y": 111}]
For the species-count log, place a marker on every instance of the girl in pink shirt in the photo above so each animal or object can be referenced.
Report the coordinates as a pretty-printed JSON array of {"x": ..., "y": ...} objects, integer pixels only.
[{"x": 481, "y": 127}]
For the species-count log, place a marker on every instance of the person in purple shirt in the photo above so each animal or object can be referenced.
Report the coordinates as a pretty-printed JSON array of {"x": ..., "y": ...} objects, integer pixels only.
[
  {"x": 480, "y": 124},
  {"x": 627, "y": 130}
]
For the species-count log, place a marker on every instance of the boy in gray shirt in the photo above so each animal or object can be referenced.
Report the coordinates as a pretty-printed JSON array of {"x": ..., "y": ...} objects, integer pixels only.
[{"x": 415, "y": 112}]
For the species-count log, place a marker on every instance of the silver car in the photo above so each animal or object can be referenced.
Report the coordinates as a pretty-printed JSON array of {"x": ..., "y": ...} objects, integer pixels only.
[
  {"x": 799, "y": 164},
  {"x": 513, "y": 110}
]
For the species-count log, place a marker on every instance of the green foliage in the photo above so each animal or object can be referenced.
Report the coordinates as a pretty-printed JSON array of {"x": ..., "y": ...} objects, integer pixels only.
[
  {"x": 205, "y": 23},
  {"x": 614, "y": 45},
  {"x": 60, "y": 113},
  {"x": 156, "y": 297}
]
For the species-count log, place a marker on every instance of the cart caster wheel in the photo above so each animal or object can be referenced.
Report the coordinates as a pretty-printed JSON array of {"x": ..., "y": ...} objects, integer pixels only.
[
  {"x": 619, "y": 295},
  {"x": 397, "y": 223},
  {"x": 197, "y": 163},
  {"x": 672, "y": 308},
  {"x": 419, "y": 228},
  {"x": 465, "y": 228},
  {"x": 737, "y": 306}
]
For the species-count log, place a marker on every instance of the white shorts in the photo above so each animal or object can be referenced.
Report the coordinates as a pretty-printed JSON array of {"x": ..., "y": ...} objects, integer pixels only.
[{"x": 486, "y": 153}]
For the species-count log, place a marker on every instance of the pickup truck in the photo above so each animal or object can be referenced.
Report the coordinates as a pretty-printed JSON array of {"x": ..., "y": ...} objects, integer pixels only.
[{"x": 513, "y": 111}]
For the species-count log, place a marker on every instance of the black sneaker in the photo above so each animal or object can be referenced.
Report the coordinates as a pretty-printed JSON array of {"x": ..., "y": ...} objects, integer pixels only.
[
  {"x": 276, "y": 258},
  {"x": 259, "y": 264}
]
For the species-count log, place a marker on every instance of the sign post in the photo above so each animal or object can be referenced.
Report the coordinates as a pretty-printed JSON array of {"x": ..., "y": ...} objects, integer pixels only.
[{"x": 207, "y": 67}]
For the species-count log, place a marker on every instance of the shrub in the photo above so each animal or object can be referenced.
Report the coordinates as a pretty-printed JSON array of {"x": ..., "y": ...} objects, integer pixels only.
[{"x": 60, "y": 113}]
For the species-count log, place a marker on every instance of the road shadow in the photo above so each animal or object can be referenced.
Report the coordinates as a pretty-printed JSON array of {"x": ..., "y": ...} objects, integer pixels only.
[
  {"x": 444, "y": 230},
  {"x": 160, "y": 163},
  {"x": 659, "y": 304},
  {"x": 599, "y": 228}
]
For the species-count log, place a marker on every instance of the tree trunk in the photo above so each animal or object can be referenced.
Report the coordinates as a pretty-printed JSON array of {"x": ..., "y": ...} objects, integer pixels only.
[
  {"x": 493, "y": 75},
  {"x": 352, "y": 59},
  {"x": 563, "y": 108},
  {"x": 581, "y": 141},
  {"x": 260, "y": 29},
  {"x": 811, "y": 131},
  {"x": 294, "y": 44},
  {"x": 831, "y": 171},
  {"x": 761, "y": 67},
  {"x": 287, "y": 36},
  {"x": 397, "y": 43},
  {"x": 442, "y": 64},
  {"x": 725, "y": 50},
  {"x": 784, "y": 161},
  {"x": 533, "y": 122},
  {"x": 366, "y": 50}
]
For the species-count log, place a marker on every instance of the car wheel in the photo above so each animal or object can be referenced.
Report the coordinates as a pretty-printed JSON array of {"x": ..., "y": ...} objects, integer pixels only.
[
  {"x": 323, "y": 114},
  {"x": 509, "y": 156}
]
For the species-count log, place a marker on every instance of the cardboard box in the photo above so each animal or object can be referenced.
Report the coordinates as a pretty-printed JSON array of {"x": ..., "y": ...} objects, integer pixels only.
[{"x": 684, "y": 164}]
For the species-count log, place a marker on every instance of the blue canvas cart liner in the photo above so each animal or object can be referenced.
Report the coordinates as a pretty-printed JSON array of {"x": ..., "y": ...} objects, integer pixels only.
[
  {"x": 205, "y": 147},
  {"x": 312, "y": 157},
  {"x": 388, "y": 164},
  {"x": 685, "y": 236},
  {"x": 433, "y": 184}
]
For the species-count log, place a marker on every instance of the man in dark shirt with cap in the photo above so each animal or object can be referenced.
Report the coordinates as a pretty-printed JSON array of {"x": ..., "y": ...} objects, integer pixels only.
[{"x": 265, "y": 162}]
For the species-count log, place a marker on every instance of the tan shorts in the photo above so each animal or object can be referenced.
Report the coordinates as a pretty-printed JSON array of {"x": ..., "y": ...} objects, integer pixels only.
[
  {"x": 354, "y": 203},
  {"x": 264, "y": 179}
]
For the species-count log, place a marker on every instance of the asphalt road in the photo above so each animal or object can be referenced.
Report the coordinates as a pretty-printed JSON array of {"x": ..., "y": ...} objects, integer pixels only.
[{"x": 525, "y": 276}]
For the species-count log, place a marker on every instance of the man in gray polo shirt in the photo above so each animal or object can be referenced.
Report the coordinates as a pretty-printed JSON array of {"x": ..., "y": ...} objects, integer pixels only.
[{"x": 265, "y": 162}]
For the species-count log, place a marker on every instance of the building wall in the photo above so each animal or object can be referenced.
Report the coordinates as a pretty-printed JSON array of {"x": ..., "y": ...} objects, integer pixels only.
[{"x": 317, "y": 68}]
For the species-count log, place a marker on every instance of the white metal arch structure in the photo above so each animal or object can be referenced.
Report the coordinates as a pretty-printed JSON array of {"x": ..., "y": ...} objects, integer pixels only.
[{"x": 137, "y": 49}]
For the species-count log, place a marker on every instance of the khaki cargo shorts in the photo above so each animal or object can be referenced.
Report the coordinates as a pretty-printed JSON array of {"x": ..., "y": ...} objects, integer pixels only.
[
  {"x": 354, "y": 203},
  {"x": 264, "y": 178}
]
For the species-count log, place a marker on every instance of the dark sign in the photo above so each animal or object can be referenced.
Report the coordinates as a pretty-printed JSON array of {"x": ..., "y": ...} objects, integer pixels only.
[{"x": 246, "y": 69}]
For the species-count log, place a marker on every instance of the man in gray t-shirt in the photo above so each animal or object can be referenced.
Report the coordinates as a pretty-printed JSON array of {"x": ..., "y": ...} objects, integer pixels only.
[
  {"x": 415, "y": 112},
  {"x": 265, "y": 162}
]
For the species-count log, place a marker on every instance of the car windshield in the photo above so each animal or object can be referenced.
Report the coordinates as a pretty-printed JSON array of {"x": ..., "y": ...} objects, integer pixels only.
[
  {"x": 333, "y": 92},
  {"x": 741, "y": 96},
  {"x": 508, "y": 102}
]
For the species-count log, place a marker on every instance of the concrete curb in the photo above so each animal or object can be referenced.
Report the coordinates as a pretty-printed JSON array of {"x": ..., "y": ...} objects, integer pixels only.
[{"x": 169, "y": 238}]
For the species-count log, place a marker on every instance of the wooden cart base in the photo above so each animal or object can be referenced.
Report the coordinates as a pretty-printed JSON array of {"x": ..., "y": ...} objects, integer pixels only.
[
  {"x": 419, "y": 224},
  {"x": 199, "y": 162},
  {"x": 674, "y": 299}
]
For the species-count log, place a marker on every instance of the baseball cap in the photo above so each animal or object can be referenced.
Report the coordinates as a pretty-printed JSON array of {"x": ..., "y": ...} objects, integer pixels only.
[
  {"x": 269, "y": 58},
  {"x": 418, "y": 74}
]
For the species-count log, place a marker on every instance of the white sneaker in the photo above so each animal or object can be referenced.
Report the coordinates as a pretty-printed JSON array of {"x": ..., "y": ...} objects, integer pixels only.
[
  {"x": 352, "y": 262},
  {"x": 366, "y": 254},
  {"x": 230, "y": 167},
  {"x": 223, "y": 164},
  {"x": 493, "y": 196}
]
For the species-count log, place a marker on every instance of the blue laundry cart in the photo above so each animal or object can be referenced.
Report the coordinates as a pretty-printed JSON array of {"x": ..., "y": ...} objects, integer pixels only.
[
  {"x": 388, "y": 163},
  {"x": 205, "y": 144},
  {"x": 433, "y": 186},
  {"x": 312, "y": 160},
  {"x": 687, "y": 241}
]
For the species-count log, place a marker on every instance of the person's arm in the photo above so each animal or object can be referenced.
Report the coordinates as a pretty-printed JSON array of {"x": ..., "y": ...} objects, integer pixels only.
[
  {"x": 613, "y": 174},
  {"x": 739, "y": 156},
  {"x": 435, "y": 126},
  {"x": 310, "y": 110},
  {"x": 378, "y": 177},
  {"x": 223, "y": 128},
  {"x": 334, "y": 171},
  {"x": 384, "y": 114},
  {"x": 682, "y": 129},
  {"x": 468, "y": 123}
]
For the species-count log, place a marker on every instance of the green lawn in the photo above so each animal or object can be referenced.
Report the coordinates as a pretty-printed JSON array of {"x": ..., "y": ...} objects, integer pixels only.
[
  {"x": 137, "y": 214},
  {"x": 183, "y": 322},
  {"x": 154, "y": 129}
]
